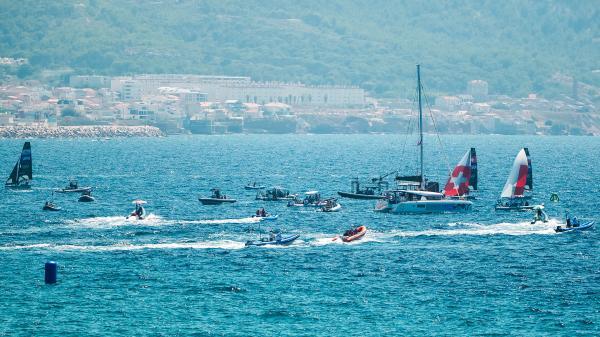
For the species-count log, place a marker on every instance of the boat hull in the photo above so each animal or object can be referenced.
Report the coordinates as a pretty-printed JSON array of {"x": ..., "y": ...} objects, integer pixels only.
[
  {"x": 360, "y": 196},
  {"x": 74, "y": 190},
  {"x": 284, "y": 241},
  {"x": 582, "y": 227},
  {"x": 254, "y": 187},
  {"x": 52, "y": 209},
  {"x": 18, "y": 186},
  {"x": 430, "y": 206},
  {"x": 86, "y": 198},
  {"x": 267, "y": 218},
  {"x": 215, "y": 201}
]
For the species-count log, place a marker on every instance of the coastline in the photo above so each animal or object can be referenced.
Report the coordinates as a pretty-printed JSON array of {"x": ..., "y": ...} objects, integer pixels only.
[{"x": 79, "y": 131}]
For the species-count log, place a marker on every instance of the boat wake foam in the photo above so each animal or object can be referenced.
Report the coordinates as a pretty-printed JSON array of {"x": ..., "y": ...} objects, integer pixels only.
[
  {"x": 150, "y": 220},
  {"x": 225, "y": 244},
  {"x": 520, "y": 228}
]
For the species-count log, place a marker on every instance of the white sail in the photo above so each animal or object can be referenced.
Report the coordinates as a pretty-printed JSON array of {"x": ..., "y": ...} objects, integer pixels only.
[{"x": 515, "y": 184}]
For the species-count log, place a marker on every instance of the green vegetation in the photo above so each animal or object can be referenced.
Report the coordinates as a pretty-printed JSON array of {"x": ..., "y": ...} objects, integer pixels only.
[{"x": 515, "y": 45}]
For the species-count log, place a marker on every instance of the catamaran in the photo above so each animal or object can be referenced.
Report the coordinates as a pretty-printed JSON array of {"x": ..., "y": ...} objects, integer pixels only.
[
  {"x": 519, "y": 180},
  {"x": 415, "y": 194},
  {"x": 21, "y": 175}
]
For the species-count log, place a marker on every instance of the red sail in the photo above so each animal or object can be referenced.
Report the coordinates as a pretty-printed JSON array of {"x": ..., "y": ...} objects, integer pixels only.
[{"x": 458, "y": 182}]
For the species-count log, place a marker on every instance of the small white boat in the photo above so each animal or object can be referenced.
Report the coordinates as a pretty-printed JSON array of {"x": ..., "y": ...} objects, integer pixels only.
[
  {"x": 331, "y": 205},
  {"x": 254, "y": 186}
]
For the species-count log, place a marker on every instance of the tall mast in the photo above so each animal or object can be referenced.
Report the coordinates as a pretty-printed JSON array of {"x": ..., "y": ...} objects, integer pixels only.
[{"x": 420, "y": 123}]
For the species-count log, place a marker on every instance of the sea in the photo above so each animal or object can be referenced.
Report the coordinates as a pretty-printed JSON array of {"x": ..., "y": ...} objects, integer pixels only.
[{"x": 184, "y": 271}]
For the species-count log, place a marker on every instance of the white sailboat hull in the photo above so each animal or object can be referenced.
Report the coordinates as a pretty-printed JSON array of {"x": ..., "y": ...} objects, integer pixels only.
[{"x": 431, "y": 206}]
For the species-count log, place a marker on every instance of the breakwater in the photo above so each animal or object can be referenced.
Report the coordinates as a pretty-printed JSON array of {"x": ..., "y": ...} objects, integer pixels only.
[{"x": 96, "y": 131}]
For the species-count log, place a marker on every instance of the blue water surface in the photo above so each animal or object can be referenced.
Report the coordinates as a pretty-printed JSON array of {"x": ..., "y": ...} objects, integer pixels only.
[{"x": 184, "y": 270}]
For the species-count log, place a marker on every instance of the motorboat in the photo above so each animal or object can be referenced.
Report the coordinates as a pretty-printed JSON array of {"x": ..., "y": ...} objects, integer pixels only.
[
  {"x": 574, "y": 228},
  {"x": 73, "y": 187},
  {"x": 331, "y": 205},
  {"x": 216, "y": 198},
  {"x": 311, "y": 199},
  {"x": 50, "y": 206},
  {"x": 86, "y": 197},
  {"x": 276, "y": 240},
  {"x": 254, "y": 186},
  {"x": 22, "y": 173},
  {"x": 275, "y": 194}
]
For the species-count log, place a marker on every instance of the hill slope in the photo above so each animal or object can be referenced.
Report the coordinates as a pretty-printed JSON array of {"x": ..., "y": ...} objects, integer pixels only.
[{"x": 515, "y": 46}]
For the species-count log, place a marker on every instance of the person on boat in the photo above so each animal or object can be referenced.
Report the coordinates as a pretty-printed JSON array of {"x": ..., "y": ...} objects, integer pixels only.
[
  {"x": 258, "y": 213},
  {"x": 263, "y": 213},
  {"x": 575, "y": 222},
  {"x": 271, "y": 236},
  {"x": 278, "y": 236},
  {"x": 568, "y": 221},
  {"x": 138, "y": 210}
]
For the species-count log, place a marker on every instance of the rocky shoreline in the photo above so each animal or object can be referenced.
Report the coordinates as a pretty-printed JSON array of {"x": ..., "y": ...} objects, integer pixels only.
[{"x": 78, "y": 131}]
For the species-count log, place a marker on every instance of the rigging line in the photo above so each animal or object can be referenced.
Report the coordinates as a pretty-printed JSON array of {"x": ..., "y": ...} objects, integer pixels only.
[
  {"x": 444, "y": 152},
  {"x": 409, "y": 129}
]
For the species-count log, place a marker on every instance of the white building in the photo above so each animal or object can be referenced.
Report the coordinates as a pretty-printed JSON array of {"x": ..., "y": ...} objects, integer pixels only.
[{"x": 222, "y": 88}]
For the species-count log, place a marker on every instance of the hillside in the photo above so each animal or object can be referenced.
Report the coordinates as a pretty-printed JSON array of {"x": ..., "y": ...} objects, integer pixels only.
[{"x": 516, "y": 46}]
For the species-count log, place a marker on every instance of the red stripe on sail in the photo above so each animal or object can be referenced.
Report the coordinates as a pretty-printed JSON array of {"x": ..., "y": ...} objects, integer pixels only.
[{"x": 520, "y": 186}]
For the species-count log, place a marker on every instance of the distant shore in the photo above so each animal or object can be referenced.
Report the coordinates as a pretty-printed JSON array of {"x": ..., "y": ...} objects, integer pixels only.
[{"x": 78, "y": 131}]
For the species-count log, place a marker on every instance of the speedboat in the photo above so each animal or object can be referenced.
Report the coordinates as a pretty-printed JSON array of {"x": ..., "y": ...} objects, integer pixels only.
[
  {"x": 217, "y": 198},
  {"x": 582, "y": 227},
  {"x": 22, "y": 174},
  {"x": 282, "y": 241},
  {"x": 74, "y": 187},
  {"x": 50, "y": 206},
  {"x": 331, "y": 205},
  {"x": 354, "y": 234},
  {"x": 139, "y": 212}
]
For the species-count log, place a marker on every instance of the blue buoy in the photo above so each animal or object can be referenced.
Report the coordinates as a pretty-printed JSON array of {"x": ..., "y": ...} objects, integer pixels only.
[{"x": 50, "y": 275}]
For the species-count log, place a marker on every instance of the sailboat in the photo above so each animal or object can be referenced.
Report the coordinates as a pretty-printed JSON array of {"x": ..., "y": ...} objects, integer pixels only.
[
  {"x": 415, "y": 194},
  {"x": 21, "y": 175},
  {"x": 463, "y": 177},
  {"x": 519, "y": 180}
]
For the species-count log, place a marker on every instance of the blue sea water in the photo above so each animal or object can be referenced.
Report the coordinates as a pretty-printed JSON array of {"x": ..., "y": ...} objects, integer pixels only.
[{"x": 184, "y": 270}]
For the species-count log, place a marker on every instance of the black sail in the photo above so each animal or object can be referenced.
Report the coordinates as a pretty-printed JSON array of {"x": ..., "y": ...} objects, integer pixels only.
[
  {"x": 529, "y": 183},
  {"x": 25, "y": 163},
  {"x": 13, "y": 178},
  {"x": 473, "y": 180}
]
